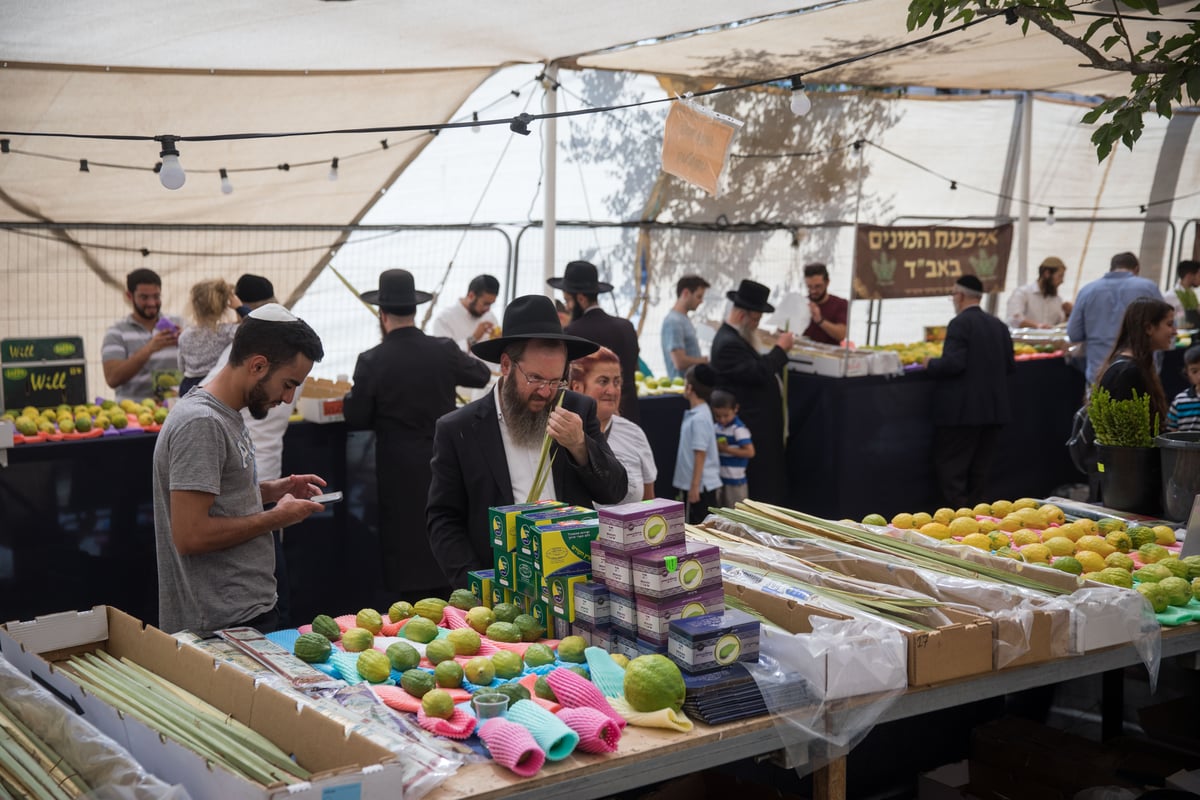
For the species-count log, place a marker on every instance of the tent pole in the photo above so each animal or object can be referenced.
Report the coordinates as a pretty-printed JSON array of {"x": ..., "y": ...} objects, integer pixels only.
[
  {"x": 550, "y": 173},
  {"x": 1026, "y": 158}
]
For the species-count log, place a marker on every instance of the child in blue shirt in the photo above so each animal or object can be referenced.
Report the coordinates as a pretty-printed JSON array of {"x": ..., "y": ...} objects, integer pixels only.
[
  {"x": 1184, "y": 414},
  {"x": 735, "y": 446},
  {"x": 697, "y": 465}
]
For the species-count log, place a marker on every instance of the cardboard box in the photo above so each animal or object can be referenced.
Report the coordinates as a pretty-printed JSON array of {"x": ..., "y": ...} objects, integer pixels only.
[
  {"x": 564, "y": 547},
  {"x": 528, "y": 521},
  {"x": 833, "y": 364},
  {"x": 655, "y": 614},
  {"x": 502, "y": 522},
  {"x": 846, "y": 668},
  {"x": 562, "y": 594},
  {"x": 674, "y": 569},
  {"x": 480, "y": 584},
  {"x": 340, "y": 763},
  {"x": 321, "y": 400}
]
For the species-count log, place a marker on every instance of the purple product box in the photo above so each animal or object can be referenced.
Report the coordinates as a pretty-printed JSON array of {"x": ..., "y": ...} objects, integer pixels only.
[
  {"x": 637, "y": 526},
  {"x": 625, "y": 645},
  {"x": 592, "y": 603},
  {"x": 689, "y": 567},
  {"x": 602, "y": 637},
  {"x": 583, "y": 630},
  {"x": 622, "y": 610},
  {"x": 617, "y": 564},
  {"x": 645, "y": 648},
  {"x": 713, "y": 641},
  {"x": 654, "y": 614}
]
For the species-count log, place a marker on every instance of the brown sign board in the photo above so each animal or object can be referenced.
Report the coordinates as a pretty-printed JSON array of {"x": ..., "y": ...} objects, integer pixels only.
[{"x": 925, "y": 261}]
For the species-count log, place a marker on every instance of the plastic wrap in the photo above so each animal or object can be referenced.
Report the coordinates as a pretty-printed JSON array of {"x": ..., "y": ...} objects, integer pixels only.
[
  {"x": 823, "y": 689},
  {"x": 108, "y": 768}
]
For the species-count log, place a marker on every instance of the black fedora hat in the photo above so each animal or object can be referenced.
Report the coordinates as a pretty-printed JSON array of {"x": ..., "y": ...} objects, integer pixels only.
[
  {"x": 580, "y": 277},
  {"x": 532, "y": 316},
  {"x": 751, "y": 295},
  {"x": 396, "y": 289}
]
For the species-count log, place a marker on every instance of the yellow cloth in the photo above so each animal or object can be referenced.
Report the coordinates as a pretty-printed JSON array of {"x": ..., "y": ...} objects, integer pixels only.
[{"x": 667, "y": 718}]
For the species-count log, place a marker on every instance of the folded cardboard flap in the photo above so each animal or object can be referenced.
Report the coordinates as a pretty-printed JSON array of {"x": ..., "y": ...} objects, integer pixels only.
[
  {"x": 952, "y": 651},
  {"x": 323, "y": 388},
  {"x": 791, "y": 615}
]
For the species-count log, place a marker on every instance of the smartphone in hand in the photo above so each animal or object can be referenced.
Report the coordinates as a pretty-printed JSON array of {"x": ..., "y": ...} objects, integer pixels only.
[{"x": 330, "y": 497}]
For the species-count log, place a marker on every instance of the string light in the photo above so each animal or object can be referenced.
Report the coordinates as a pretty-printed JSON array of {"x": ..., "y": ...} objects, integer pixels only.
[
  {"x": 475, "y": 118},
  {"x": 226, "y": 185},
  {"x": 954, "y": 186},
  {"x": 171, "y": 174},
  {"x": 333, "y": 169},
  {"x": 1050, "y": 220},
  {"x": 83, "y": 165},
  {"x": 800, "y": 104}
]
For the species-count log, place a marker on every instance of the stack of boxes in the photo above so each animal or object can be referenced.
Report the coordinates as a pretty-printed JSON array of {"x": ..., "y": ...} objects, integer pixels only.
[
  {"x": 645, "y": 574},
  {"x": 539, "y": 552}
]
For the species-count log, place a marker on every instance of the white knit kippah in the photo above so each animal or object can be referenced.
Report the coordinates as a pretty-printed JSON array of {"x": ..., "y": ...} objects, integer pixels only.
[{"x": 273, "y": 312}]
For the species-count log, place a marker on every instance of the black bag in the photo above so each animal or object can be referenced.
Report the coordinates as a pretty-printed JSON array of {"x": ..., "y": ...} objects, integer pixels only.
[{"x": 1082, "y": 443}]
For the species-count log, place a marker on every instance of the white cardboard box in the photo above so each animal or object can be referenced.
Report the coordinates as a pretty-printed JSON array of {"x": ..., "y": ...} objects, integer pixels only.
[
  {"x": 344, "y": 767},
  {"x": 321, "y": 400}
]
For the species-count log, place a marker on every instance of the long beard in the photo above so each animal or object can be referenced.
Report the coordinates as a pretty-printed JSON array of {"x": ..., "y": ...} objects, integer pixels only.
[
  {"x": 746, "y": 331},
  {"x": 527, "y": 428},
  {"x": 1048, "y": 288}
]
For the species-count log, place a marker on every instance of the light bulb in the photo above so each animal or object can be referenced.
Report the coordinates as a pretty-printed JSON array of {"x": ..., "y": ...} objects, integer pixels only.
[
  {"x": 801, "y": 105},
  {"x": 333, "y": 169},
  {"x": 171, "y": 174},
  {"x": 1050, "y": 220},
  {"x": 475, "y": 118},
  {"x": 226, "y": 186}
]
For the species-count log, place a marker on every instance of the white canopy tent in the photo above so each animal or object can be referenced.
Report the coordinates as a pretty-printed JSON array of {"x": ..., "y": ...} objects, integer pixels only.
[{"x": 145, "y": 69}]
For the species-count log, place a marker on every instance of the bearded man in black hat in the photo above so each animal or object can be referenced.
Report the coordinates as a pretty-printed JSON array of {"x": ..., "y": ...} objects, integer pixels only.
[
  {"x": 486, "y": 454},
  {"x": 755, "y": 380},
  {"x": 581, "y": 286},
  {"x": 971, "y": 403},
  {"x": 401, "y": 387}
]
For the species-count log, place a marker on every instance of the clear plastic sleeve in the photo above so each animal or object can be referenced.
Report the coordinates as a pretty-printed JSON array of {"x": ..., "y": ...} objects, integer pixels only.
[{"x": 109, "y": 769}]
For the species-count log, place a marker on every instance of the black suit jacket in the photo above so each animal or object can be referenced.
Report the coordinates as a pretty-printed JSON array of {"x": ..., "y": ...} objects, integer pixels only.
[
  {"x": 470, "y": 475},
  {"x": 618, "y": 335},
  {"x": 753, "y": 379},
  {"x": 976, "y": 360},
  {"x": 401, "y": 388}
]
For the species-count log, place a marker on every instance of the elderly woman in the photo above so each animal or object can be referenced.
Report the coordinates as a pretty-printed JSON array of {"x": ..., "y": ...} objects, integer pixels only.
[{"x": 599, "y": 377}]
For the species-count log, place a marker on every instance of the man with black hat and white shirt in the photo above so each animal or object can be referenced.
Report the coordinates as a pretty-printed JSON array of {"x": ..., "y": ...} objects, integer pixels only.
[
  {"x": 756, "y": 381},
  {"x": 401, "y": 387},
  {"x": 581, "y": 286},
  {"x": 487, "y": 453},
  {"x": 971, "y": 403}
]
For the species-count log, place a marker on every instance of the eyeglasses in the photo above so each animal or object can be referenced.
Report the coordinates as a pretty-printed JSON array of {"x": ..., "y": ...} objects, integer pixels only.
[{"x": 540, "y": 383}]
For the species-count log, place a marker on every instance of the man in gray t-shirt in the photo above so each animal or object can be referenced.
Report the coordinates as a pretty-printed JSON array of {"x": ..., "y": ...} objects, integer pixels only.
[{"x": 215, "y": 554}]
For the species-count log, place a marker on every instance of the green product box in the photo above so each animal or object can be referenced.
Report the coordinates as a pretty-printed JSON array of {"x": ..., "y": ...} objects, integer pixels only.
[
  {"x": 480, "y": 584},
  {"x": 500, "y": 595},
  {"x": 562, "y": 594},
  {"x": 565, "y": 547},
  {"x": 502, "y": 522},
  {"x": 525, "y": 577},
  {"x": 541, "y": 612},
  {"x": 503, "y": 570},
  {"x": 528, "y": 521}
]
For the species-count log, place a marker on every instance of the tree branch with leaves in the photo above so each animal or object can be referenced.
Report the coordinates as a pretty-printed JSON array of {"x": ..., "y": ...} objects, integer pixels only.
[{"x": 1164, "y": 70}]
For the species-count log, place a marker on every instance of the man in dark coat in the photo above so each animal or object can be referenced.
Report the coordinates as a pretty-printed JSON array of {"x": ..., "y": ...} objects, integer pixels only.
[
  {"x": 401, "y": 388},
  {"x": 486, "y": 454},
  {"x": 581, "y": 286},
  {"x": 756, "y": 381},
  {"x": 971, "y": 403}
]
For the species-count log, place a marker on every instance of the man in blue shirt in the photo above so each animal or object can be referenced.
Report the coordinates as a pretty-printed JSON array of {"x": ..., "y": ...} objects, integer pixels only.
[
  {"x": 681, "y": 348},
  {"x": 1100, "y": 305}
]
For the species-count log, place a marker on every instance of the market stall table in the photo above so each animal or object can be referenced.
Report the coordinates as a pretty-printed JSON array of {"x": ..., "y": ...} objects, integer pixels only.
[{"x": 647, "y": 756}]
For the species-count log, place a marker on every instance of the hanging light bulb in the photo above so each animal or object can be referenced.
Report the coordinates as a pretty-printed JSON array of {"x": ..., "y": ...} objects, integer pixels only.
[
  {"x": 475, "y": 118},
  {"x": 1050, "y": 220},
  {"x": 801, "y": 105},
  {"x": 333, "y": 169},
  {"x": 171, "y": 175},
  {"x": 226, "y": 186}
]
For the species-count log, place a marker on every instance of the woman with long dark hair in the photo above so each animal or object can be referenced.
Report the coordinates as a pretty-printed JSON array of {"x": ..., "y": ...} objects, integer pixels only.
[{"x": 1147, "y": 327}]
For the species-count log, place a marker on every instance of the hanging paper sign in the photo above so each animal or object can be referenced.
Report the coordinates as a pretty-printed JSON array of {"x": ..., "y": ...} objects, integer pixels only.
[
  {"x": 696, "y": 144},
  {"x": 926, "y": 261}
]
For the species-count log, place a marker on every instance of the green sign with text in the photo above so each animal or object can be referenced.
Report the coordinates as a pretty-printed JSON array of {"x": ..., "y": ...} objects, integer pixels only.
[{"x": 43, "y": 372}]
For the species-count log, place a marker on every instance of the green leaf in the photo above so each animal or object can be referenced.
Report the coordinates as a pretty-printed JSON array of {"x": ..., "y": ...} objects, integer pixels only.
[
  {"x": 1152, "y": 6},
  {"x": 1193, "y": 83},
  {"x": 1154, "y": 37},
  {"x": 1091, "y": 31},
  {"x": 1109, "y": 42}
]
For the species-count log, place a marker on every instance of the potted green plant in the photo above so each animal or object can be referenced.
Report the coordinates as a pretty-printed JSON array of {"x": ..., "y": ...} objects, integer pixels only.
[{"x": 1126, "y": 458}]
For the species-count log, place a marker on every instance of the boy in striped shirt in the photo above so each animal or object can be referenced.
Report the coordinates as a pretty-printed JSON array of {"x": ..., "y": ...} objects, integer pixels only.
[
  {"x": 734, "y": 445},
  {"x": 1184, "y": 414}
]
